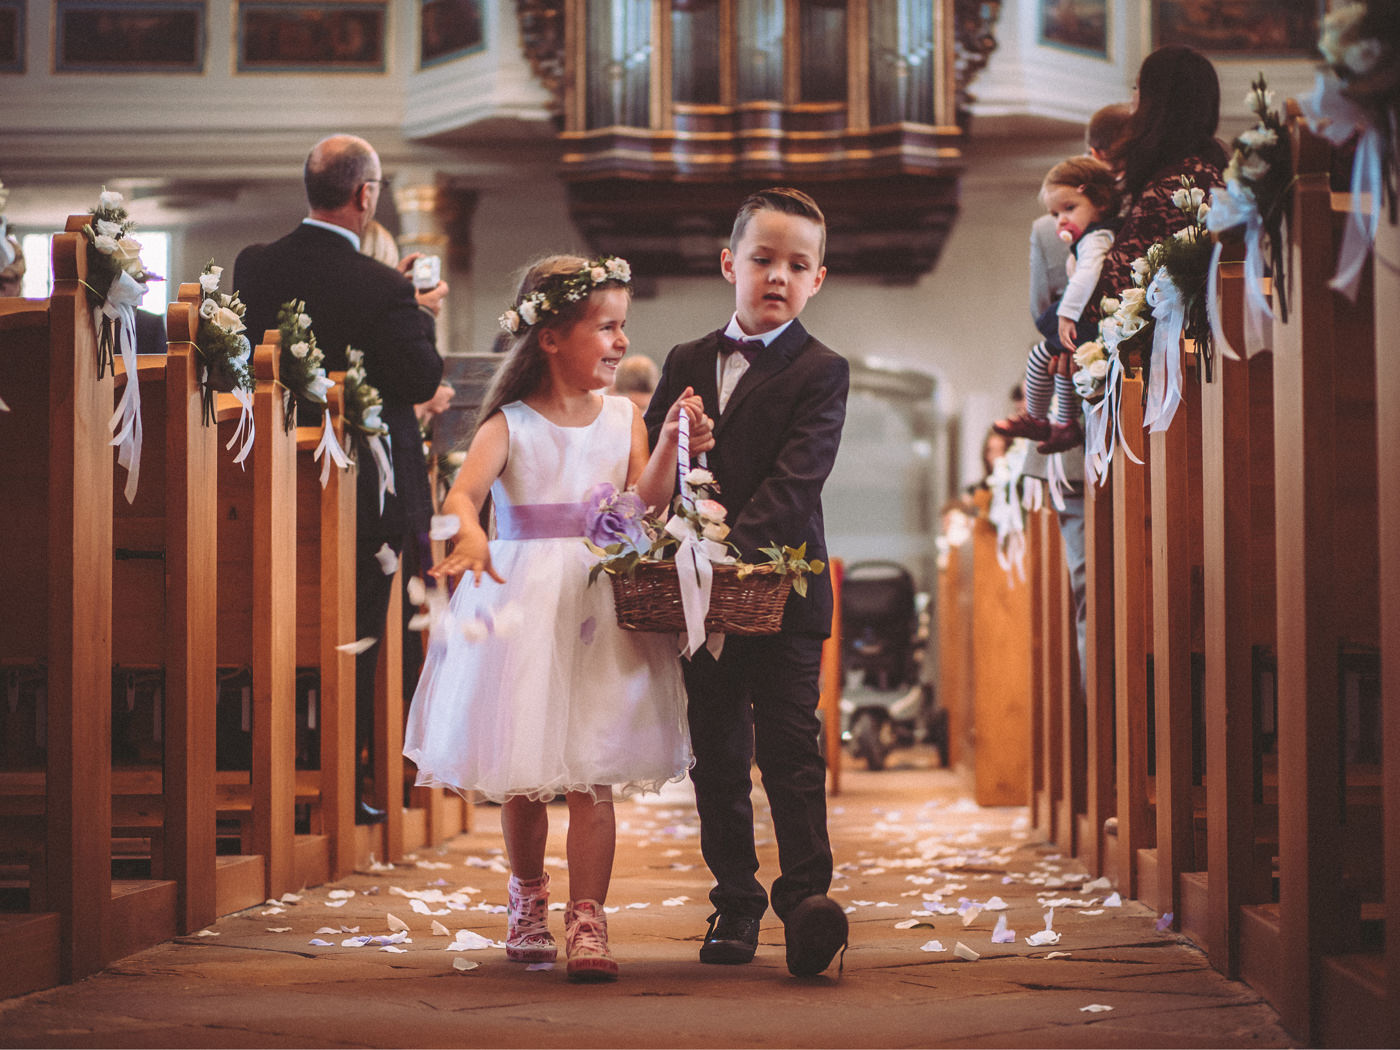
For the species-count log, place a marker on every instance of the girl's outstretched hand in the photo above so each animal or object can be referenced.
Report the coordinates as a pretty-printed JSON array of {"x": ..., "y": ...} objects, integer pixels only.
[
  {"x": 702, "y": 436},
  {"x": 470, "y": 554}
]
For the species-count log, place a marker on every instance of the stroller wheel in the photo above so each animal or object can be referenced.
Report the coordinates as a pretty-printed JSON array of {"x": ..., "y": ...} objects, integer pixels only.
[{"x": 868, "y": 740}]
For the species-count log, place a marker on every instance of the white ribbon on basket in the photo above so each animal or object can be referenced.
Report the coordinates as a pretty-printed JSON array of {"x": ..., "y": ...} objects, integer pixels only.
[
  {"x": 1334, "y": 117},
  {"x": 1230, "y": 207},
  {"x": 694, "y": 561},
  {"x": 1164, "y": 375},
  {"x": 246, "y": 429},
  {"x": 330, "y": 448},
  {"x": 125, "y": 424}
]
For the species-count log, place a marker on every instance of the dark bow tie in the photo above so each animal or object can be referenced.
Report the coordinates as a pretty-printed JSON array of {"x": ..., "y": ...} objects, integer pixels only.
[{"x": 748, "y": 347}]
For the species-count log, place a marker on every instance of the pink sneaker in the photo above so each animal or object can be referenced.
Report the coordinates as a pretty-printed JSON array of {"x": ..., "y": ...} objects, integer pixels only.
[
  {"x": 586, "y": 939},
  {"x": 529, "y": 939}
]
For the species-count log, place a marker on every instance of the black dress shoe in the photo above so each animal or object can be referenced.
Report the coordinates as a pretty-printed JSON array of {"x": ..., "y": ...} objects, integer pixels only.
[
  {"x": 816, "y": 931},
  {"x": 367, "y": 814},
  {"x": 731, "y": 939}
]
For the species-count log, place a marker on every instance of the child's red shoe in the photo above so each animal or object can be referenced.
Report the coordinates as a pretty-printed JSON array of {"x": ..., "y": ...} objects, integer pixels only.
[
  {"x": 1062, "y": 437},
  {"x": 586, "y": 940},
  {"x": 528, "y": 938},
  {"x": 1023, "y": 425}
]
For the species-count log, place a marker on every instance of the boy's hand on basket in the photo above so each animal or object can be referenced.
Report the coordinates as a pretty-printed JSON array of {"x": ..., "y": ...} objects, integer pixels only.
[{"x": 470, "y": 554}]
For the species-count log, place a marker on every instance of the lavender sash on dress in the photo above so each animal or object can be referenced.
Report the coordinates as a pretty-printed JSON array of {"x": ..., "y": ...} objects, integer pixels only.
[{"x": 540, "y": 521}]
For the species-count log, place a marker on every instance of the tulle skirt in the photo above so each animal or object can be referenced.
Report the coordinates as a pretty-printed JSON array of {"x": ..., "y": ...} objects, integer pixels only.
[{"x": 530, "y": 687}]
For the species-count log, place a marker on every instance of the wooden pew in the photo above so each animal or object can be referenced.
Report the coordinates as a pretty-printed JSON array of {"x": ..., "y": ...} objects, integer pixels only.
[
  {"x": 257, "y": 623},
  {"x": 1100, "y": 778},
  {"x": 163, "y": 574},
  {"x": 1175, "y": 484},
  {"x": 1132, "y": 623},
  {"x": 54, "y": 466},
  {"x": 1387, "y": 319},
  {"x": 1239, "y": 619},
  {"x": 1325, "y": 471},
  {"x": 954, "y": 611},
  {"x": 1001, "y": 683},
  {"x": 325, "y": 620}
]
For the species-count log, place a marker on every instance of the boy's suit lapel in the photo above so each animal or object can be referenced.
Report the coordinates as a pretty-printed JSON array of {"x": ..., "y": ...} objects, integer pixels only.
[{"x": 772, "y": 360}]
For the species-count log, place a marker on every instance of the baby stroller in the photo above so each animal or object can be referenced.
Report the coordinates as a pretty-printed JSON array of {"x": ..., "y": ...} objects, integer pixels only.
[{"x": 886, "y": 703}]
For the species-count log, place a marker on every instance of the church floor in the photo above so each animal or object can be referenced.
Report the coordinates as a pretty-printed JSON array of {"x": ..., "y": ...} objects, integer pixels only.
[{"x": 901, "y": 835}]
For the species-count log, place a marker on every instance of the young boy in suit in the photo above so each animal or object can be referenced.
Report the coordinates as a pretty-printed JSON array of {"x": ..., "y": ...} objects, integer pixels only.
[{"x": 779, "y": 400}]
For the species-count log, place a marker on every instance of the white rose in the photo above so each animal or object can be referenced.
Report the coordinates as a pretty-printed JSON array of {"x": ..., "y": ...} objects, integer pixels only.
[
  {"x": 1181, "y": 198},
  {"x": 304, "y": 320},
  {"x": 228, "y": 320},
  {"x": 1257, "y": 138},
  {"x": 597, "y": 275},
  {"x": 1198, "y": 195},
  {"x": 1088, "y": 353},
  {"x": 111, "y": 229},
  {"x": 1130, "y": 327},
  {"x": 1097, "y": 369},
  {"x": 715, "y": 531},
  {"x": 1108, "y": 306},
  {"x": 699, "y": 476},
  {"x": 510, "y": 321},
  {"x": 1140, "y": 267},
  {"x": 371, "y": 418},
  {"x": 216, "y": 272},
  {"x": 128, "y": 250},
  {"x": 619, "y": 269},
  {"x": 110, "y": 199},
  {"x": 354, "y": 356},
  {"x": 104, "y": 244},
  {"x": 301, "y": 349},
  {"x": 1133, "y": 298},
  {"x": 208, "y": 282},
  {"x": 529, "y": 313},
  {"x": 208, "y": 308}
]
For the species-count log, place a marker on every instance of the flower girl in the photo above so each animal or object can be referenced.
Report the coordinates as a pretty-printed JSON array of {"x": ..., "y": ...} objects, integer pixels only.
[{"x": 530, "y": 689}]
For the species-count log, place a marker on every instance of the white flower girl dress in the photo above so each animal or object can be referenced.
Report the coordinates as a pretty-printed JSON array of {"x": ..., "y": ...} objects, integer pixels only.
[{"x": 530, "y": 687}]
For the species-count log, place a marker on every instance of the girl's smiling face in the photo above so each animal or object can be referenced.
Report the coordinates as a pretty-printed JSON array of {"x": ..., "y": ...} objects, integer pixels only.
[
  {"x": 775, "y": 268},
  {"x": 585, "y": 355}
]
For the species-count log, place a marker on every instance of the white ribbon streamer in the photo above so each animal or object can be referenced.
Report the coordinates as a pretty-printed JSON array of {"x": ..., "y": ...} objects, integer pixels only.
[
  {"x": 1056, "y": 480},
  {"x": 1004, "y": 511},
  {"x": 246, "y": 429},
  {"x": 125, "y": 423},
  {"x": 330, "y": 447},
  {"x": 1334, "y": 117},
  {"x": 1164, "y": 375},
  {"x": 1236, "y": 207},
  {"x": 1104, "y": 426},
  {"x": 379, "y": 449}
]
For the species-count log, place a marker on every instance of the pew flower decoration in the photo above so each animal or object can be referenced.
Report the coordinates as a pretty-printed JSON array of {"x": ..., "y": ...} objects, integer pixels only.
[
  {"x": 224, "y": 353},
  {"x": 303, "y": 366},
  {"x": 1258, "y": 186},
  {"x": 1005, "y": 513},
  {"x": 117, "y": 280},
  {"x": 1358, "y": 93},
  {"x": 363, "y": 405}
]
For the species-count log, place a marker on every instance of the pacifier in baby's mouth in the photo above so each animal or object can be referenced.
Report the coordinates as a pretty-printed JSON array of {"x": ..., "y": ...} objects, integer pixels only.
[{"x": 1069, "y": 233}]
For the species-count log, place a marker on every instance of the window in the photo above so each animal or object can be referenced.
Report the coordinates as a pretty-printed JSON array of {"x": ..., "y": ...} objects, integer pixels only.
[{"x": 155, "y": 253}]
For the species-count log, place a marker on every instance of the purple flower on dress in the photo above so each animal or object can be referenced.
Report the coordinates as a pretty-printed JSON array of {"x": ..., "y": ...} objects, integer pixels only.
[{"x": 614, "y": 517}]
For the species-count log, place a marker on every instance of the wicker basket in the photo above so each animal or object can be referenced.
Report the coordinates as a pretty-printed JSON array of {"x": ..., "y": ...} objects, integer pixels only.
[{"x": 650, "y": 600}]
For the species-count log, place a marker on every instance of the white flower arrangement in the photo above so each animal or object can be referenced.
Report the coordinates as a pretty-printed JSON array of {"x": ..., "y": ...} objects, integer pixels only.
[
  {"x": 303, "y": 369},
  {"x": 561, "y": 290},
  {"x": 223, "y": 349}
]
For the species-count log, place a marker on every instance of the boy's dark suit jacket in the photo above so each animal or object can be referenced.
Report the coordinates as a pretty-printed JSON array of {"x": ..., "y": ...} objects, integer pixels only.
[
  {"x": 775, "y": 444},
  {"x": 354, "y": 300}
]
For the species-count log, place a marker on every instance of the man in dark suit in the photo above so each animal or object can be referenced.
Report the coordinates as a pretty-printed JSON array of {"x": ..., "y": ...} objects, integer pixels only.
[
  {"x": 353, "y": 300},
  {"x": 779, "y": 400}
]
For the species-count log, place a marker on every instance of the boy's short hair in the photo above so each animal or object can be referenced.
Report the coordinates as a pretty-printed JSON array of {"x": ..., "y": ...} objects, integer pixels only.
[
  {"x": 777, "y": 198},
  {"x": 1106, "y": 125}
]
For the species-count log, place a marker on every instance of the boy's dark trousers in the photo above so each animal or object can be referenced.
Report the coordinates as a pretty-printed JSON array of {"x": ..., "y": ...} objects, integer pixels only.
[{"x": 759, "y": 700}]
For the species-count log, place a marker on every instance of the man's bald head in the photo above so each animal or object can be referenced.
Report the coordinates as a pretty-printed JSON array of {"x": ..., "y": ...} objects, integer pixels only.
[{"x": 335, "y": 170}]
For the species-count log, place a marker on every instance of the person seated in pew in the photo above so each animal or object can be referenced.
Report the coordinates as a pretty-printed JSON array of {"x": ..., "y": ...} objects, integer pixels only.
[{"x": 354, "y": 300}]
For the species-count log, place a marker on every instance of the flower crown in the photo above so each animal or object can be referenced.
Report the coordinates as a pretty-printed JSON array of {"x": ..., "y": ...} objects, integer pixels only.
[{"x": 561, "y": 289}]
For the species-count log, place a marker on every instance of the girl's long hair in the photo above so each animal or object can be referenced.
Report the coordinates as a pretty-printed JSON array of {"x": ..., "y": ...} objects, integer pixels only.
[
  {"x": 1176, "y": 118},
  {"x": 523, "y": 369}
]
